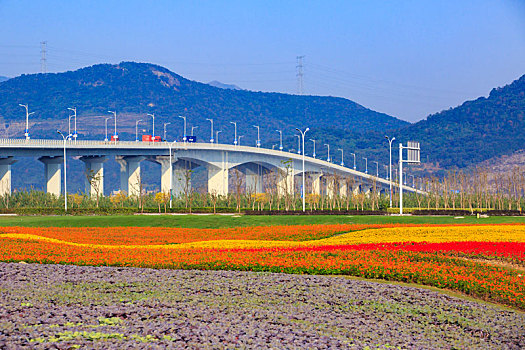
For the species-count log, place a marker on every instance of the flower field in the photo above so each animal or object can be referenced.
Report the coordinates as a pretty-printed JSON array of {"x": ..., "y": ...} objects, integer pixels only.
[{"x": 485, "y": 261}]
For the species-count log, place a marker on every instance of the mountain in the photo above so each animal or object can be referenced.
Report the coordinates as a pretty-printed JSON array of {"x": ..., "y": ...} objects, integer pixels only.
[
  {"x": 2, "y": 78},
  {"x": 220, "y": 85},
  {"x": 479, "y": 132},
  {"x": 134, "y": 89},
  {"x": 476, "y": 130}
]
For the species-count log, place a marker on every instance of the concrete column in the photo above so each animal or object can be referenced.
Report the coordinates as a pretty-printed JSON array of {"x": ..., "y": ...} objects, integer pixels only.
[
  {"x": 316, "y": 183},
  {"x": 130, "y": 178},
  {"x": 52, "y": 167},
  {"x": 5, "y": 175},
  {"x": 165, "y": 167},
  {"x": 330, "y": 186},
  {"x": 218, "y": 177},
  {"x": 94, "y": 176},
  {"x": 253, "y": 181},
  {"x": 343, "y": 188},
  {"x": 286, "y": 181},
  {"x": 181, "y": 174}
]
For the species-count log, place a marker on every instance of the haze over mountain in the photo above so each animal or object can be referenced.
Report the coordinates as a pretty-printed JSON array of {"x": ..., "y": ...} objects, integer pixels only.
[
  {"x": 134, "y": 89},
  {"x": 224, "y": 86},
  {"x": 2, "y": 78}
]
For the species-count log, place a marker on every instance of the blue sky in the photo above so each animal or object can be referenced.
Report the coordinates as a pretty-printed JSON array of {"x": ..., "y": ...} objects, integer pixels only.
[{"x": 405, "y": 58}]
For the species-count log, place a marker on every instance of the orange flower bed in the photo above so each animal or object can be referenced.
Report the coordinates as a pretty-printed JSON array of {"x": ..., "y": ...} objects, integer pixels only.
[{"x": 166, "y": 235}]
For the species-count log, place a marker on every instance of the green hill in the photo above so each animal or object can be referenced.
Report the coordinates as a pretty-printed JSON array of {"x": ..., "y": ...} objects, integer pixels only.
[{"x": 139, "y": 88}]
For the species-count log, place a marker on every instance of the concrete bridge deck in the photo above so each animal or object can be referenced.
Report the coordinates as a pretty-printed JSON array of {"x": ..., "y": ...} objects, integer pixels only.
[{"x": 218, "y": 159}]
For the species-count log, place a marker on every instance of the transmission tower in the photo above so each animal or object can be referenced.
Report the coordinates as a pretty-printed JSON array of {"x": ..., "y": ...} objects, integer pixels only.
[
  {"x": 300, "y": 74},
  {"x": 43, "y": 61}
]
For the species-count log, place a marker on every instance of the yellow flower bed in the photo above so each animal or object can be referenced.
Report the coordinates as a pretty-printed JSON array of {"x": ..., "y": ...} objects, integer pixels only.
[{"x": 485, "y": 233}]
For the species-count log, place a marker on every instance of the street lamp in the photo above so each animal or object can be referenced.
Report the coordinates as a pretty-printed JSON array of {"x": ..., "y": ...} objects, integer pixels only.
[
  {"x": 235, "y": 133},
  {"x": 211, "y": 137},
  {"x": 184, "y": 136},
  {"x": 153, "y": 126},
  {"x": 65, "y": 138},
  {"x": 342, "y": 156},
  {"x": 386, "y": 171},
  {"x": 115, "y": 115},
  {"x": 328, "y": 158},
  {"x": 390, "y": 165},
  {"x": 193, "y": 128},
  {"x": 137, "y": 130},
  {"x": 171, "y": 173},
  {"x": 303, "y": 189},
  {"x": 298, "y": 144},
  {"x": 239, "y": 138},
  {"x": 217, "y": 135},
  {"x": 354, "y": 160},
  {"x": 280, "y": 139},
  {"x": 106, "y": 122},
  {"x": 313, "y": 155},
  {"x": 258, "y": 143},
  {"x": 366, "y": 165},
  {"x": 74, "y": 109},
  {"x": 27, "y": 119},
  {"x": 413, "y": 181},
  {"x": 377, "y": 168},
  {"x": 165, "y": 124}
]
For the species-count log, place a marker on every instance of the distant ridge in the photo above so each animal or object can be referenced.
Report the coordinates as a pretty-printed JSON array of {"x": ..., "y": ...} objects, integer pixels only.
[
  {"x": 2, "y": 78},
  {"x": 220, "y": 85},
  {"x": 134, "y": 89}
]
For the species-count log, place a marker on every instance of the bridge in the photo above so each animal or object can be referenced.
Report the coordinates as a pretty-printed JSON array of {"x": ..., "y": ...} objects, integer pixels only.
[{"x": 177, "y": 159}]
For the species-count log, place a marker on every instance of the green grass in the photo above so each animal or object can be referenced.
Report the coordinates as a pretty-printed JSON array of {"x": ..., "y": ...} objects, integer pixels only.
[{"x": 219, "y": 221}]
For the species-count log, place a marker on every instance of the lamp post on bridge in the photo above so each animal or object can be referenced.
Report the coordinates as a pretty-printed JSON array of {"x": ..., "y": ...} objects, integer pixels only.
[
  {"x": 137, "y": 130},
  {"x": 354, "y": 160},
  {"x": 313, "y": 155},
  {"x": 65, "y": 138},
  {"x": 280, "y": 139},
  {"x": 239, "y": 138},
  {"x": 366, "y": 165},
  {"x": 342, "y": 156},
  {"x": 106, "y": 121},
  {"x": 74, "y": 110},
  {"x": 235, "y": 133},
  {"x": 27, "y": 119},
  {"x": 115, "y": 136},
  {"x": 211, "y": 137},
  {"x": 184, "y": 136},
  {"x": 377, "y": 168},
  {"x": 328, "y": 158},
  {"x": 193, "y": 128},
  {"x": 258, "y": 143},
  {"x": 217, "y": 135},
  {"x": 303, "y": 189},
  {"x": 298, "y": 144},
  {"x": 153, "y": 126},
  {"x": 165, "y": 124}
]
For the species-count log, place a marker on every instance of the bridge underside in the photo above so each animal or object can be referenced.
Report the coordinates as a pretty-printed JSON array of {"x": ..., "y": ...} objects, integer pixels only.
[{"x": 227, "y": 172}]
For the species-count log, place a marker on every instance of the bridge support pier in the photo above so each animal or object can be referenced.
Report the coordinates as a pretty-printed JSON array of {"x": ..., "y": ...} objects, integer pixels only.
[
  {"x": 53, "y": 172},
  {"x": 285, "y": 183},
  {"x": 130, "y": 178},
  {"x": 5, "y": 175},
  {"x": 343, "y": 188},
  {"x": 330, "y": 186},
  {"x": 94, "y": 176},
  {"x": 165, "y": 173},
  {"x": 218, "y": 181},
  {"x": 253, "y": 181},
  {"x": 316, "y": 183},
  {"x": 181, "y": 178}
]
